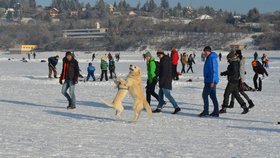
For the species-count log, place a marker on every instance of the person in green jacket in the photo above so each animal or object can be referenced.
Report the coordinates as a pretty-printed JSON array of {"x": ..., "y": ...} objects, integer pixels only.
[
  {"x": 104, "y": 69},
  {"x": 152, "y": 77}
]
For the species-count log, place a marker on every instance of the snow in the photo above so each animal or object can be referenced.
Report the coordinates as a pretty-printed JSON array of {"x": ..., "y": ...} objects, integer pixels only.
[{"x": 35, "y": 123}]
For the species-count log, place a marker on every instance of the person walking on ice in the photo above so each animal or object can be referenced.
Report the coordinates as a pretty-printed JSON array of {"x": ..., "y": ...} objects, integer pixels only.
[
  {"x": 190, "y": 63},
  {"x": 211, "y": 79},
  {"x": 152, "y": 80},
  {"x": 165, "y": 82},
  {"x": 69, "y": 74},
  {"x": 52, "y": 65},
  {"x": 242, "y": 86},
  {"x": 233, "y": 75},
  {"x": 91, "y": 69}
]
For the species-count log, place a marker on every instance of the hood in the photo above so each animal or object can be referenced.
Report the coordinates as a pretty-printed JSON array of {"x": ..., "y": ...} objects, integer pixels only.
[
  {"x": 213, "y": 55},
  {"x": 174, "y": 51}
]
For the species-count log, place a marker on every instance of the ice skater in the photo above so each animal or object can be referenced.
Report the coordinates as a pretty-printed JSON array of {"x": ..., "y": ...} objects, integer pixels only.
[{"x": 259, "y": 70}]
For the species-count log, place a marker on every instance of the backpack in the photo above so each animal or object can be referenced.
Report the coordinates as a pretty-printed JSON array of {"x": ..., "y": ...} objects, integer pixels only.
[{"x": 157, "y": 68}]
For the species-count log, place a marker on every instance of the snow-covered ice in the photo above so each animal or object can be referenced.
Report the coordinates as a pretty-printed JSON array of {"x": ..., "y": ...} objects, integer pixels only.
[{"x": 35, "y": 123}]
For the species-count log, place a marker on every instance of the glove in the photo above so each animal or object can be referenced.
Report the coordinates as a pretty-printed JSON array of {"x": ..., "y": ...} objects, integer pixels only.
[
  {"x": 60, "y": 81},
  {"x": 223, "y": 74},
  {"x": 242, "y": 85}
]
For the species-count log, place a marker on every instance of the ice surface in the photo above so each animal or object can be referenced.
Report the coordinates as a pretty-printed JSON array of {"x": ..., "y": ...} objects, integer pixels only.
[{"x": 35, "y": 123}]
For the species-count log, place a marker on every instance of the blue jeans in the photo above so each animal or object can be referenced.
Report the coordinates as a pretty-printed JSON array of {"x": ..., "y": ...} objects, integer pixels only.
[
  {"x": 167, "y": 94},
  {"x": 71, "y": 96},
  {"x": 212, "y": 92}
]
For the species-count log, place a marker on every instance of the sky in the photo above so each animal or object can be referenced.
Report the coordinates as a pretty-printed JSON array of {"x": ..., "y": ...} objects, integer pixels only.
[{"x": 240, "y": 6}]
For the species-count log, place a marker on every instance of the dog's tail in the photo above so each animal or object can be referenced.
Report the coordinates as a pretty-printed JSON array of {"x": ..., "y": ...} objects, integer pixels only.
[
  {"x": 148, "y": 108},
  {"x": 107, "y": 103}
]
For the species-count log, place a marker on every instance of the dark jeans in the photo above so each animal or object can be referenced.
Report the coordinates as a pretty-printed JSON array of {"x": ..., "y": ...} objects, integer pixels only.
[
  {"x": 52, "y": 69},
  {"x": 212, "y": 92},
  {"x": 150, "y": 91},
  {"x": 243, "y": 94},
  {"x": 90, "y": 74},
  {"x": 112, "y": 73},
  {"x": 174, "y": 72},
  {"x": 183, "y": 68},
  {"x": 71, "y": 96},
  {"x": 255, "y": 79},
  {"x": 167, "y": 93},
  {"x": 190, "y": 68},
  {"x": 233, "y": 88},
  {"x": 104, "y": 72}
]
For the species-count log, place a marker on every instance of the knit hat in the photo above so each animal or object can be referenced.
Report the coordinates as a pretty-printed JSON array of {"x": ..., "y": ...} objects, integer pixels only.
[
  {"x": 148, "y": 54},
  {"x": 231, "y": 55},
  {"x": 102, "y": 58},
  {"x": 207, "y": 48},
  {"x": 160, "y": 51},
  {"x": 238, "y": 52},
  {"x": 68, "y": 53}
]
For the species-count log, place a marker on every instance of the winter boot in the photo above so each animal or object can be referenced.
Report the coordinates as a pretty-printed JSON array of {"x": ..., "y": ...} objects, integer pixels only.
[
  {"x": 231, "y": 105},
  {"x": 203, "y": 114},
  {"x": 251, "y": 104},
  {"x": 214, "y": 114},
  {"x": 176, "y": 111},
  {"x": 223, "y": 110},
  {"x": 157, "y": 111},
  {"x": 245, "y": 109}
]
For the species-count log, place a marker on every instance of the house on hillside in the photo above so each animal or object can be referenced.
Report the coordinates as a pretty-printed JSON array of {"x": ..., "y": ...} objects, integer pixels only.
[
  {"x": 204, "y": 17},
  {"x": 74, "y": 13},
  {"x": 23, "y": 49},
  {"x": 53, "y": 12},
  {"x": 132, "y": 13}
]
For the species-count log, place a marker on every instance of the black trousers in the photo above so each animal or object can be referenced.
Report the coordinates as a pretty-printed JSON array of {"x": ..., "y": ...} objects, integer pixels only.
[
  {"x": 190, "y": 68},
  {"x": 233, "y": 88},
  {"x": 112, "y": 73},
  {"x": 174, "y": 72},
  {"x": 255, "y": 79},
  {"x": 183, "y": 68},
  {"x": 104, "y": 72},
  {"x": 150, "y": 91}
]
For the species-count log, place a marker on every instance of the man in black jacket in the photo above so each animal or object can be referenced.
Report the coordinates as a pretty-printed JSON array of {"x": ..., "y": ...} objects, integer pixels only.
[
  {"x": 70, "y": 73},
  {"x": 259, "y": 70},
  {"x": 52, "y": 65},
  {"x": 233, "y": 74},
  {"x": 165, "y": 82}
]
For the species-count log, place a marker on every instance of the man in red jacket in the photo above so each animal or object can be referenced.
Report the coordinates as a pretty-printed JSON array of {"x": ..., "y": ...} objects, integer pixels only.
[
  {"x": 174, "y": 61},
  {"x": 69, "y": 74}
]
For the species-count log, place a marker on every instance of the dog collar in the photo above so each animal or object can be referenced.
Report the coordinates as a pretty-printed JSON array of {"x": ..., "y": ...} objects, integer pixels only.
[{"x": 126, "y": 89}]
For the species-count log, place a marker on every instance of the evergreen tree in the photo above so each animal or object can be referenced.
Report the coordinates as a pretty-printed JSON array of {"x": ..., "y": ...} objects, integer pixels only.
[{"x": 164, "y": 4}]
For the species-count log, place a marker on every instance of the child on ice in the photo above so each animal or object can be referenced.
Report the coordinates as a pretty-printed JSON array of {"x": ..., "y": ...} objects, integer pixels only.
[{"x": 91, "y": 70}]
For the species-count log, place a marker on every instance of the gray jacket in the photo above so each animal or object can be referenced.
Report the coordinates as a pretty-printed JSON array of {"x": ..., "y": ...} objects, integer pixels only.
[{"x": 242, "y": 69}]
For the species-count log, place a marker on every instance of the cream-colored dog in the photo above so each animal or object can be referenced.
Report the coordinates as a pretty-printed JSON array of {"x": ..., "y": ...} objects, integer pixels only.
[
  {"x": 134, "y": 84},
  {"x": 117, "y": 103}
]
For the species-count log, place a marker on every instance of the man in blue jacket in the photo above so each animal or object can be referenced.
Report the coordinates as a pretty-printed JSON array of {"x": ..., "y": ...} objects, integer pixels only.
[
  {"x": 211, "y": 79},
  {"x": 52, "y": 65}
]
